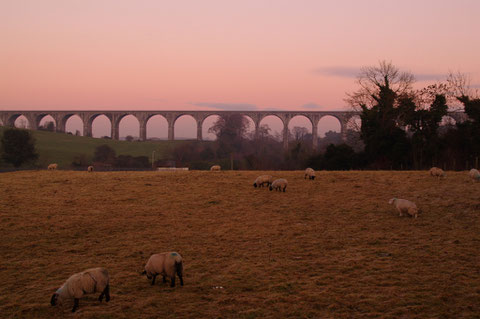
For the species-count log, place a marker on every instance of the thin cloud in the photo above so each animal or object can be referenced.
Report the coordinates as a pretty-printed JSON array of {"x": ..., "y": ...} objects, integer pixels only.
[
  {"x": 311, "y": 106},
  {"x": 475, "y": 86},
  {"x": 228, "y": 106},
  {"x": 421, "y": 77},
  {"x": 338, "y": 71},
  {"x": 351, "y": 72}
]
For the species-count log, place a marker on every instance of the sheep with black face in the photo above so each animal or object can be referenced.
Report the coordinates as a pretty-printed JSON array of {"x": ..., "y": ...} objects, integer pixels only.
[
  {"x": 86, "y": 282},
  {"x": 167, "y": 264}
]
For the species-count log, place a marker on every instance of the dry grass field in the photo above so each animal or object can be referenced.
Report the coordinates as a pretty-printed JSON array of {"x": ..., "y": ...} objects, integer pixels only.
[{"x": 329, "y": 248}]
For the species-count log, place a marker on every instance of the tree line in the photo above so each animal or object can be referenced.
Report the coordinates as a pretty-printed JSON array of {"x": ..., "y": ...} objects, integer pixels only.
[{"x": 401, "y": 128}]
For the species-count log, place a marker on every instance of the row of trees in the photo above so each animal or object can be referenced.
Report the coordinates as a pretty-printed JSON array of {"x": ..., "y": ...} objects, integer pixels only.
[
  {"x": 401, "y": 126},
  {"x": 105, "y": 157}
]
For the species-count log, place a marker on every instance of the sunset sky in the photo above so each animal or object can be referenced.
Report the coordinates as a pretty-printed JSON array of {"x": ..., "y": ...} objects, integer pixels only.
[{"x": 292, "y": 55}]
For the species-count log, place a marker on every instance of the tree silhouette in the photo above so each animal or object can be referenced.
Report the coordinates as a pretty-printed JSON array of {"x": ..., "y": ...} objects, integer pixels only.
[
  {"x": 18, "y": 147},
  {"x": 104, "y": 154}
]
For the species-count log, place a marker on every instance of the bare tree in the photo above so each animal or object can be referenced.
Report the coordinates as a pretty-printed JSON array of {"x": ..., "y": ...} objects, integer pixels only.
[
  {"x": 372, "y": 79},
  {"x": 456, "y": 86},
  {"x": 299, "y": 133}
]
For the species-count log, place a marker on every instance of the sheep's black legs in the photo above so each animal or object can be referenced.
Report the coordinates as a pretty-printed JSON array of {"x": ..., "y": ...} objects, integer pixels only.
[
  {"x": 153, "y": 280},
  {"x": 172, "y": 283},
  {"x": 75, "y": 304},
  {"x": 180, "y": 275},
  {"x": 164, "y": 279},
  {"x": 106, "y": 293}
]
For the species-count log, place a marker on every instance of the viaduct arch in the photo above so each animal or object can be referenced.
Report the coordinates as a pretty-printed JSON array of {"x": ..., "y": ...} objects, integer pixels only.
[{"x": 87, "y": 117}]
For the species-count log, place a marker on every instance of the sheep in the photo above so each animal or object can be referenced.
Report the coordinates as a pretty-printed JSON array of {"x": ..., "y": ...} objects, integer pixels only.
[
  {"x": 438, "y": 172},
  {"x": 215, "y": 168},
  {"x": 52, "y": 167},
  {"x": 263, "y": 179},
  {"x": 310, "y": 173},
  {"x": 90, "y": 169},
  {"x": 404, "y": 206},
  {"x": 474, "y": 175},
  {"x": 279, "y": 184},
  {"x": 86, "y": 282},
  {"x": 165, "y": 264}
]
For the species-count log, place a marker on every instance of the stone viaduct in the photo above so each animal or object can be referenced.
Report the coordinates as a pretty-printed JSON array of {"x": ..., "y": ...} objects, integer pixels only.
[{"x": 60, "y": 117}]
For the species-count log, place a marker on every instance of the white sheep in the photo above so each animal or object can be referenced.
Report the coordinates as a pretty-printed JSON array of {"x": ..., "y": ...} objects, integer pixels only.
[
  {"x": 310, "y": 173},
  {"x": 404, "y": 206},
  {"x": 52, "y": 167},
  {"x": 279, "y": 184},
  {"x": 165, "y": 264},
  {"x": 90, "y": 169},
  {"x": 215, "y": 168},
  {"x": 86, "y": 282},
  {"x": 474, "y": 175},
  {"x": 262, "y": 180},
  {"x": 437, "y": 172}
]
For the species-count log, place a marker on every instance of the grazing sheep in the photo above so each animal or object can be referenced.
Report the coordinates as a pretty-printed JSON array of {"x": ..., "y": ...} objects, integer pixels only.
[
  {"x": 438, "y": 172},
  {"x": 86, "y": 282},
  {"x": 474, "y": 175},
  {"x": 404, "y": 206},
  {"x": 215, "y": 168},
  {"x": 90, "y": 169},
  {"x": 310, "y": 173},
  {"x": 279, "y": 184},
  {"x": 262, "y": 180},
  {"x": 165, "y": 264},
  {"x": 52, "y": 167}
]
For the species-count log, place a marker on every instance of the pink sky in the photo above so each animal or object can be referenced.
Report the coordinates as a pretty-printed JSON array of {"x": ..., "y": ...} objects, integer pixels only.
[{"x": 152, "y": 54}]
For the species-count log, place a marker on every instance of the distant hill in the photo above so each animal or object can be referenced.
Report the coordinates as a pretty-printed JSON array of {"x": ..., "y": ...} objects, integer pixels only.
[{"x": 61, "y": 148}]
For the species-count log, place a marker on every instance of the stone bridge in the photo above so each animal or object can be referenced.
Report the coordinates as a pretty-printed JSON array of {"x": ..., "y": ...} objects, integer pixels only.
[{"x": 61, "y": 117}]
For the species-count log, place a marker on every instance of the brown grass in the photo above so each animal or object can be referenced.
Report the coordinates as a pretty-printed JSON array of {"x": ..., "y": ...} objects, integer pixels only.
[{"x": 328, "y": 248}]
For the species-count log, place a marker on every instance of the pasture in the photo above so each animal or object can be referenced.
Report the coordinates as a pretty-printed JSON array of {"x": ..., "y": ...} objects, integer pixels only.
[
  {"x": 327, "y": 248},
  {"x": 62, "y": 148}
]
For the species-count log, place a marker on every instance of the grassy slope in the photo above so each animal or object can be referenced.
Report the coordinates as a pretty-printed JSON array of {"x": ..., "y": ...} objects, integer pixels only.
[
  {"x": 62, "y": 148},
  {"x": 329, "y": 248}
]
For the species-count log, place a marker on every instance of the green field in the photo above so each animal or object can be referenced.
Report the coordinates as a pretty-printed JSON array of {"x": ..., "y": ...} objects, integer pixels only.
[{"x": 62, "y": 148}]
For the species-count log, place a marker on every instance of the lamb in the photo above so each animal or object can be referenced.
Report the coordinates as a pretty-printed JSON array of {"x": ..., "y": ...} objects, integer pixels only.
[
  {"x": 165, "y": 264},
  {"x": 310, "y": 173},
  {"x": 279, "y": 184},
  {"x": 474, "y": 175},
  {"x": 215, "y": 168},
  {"x": 90, "y": 169},
  {"x": 52, "y": 167},
  {"x": 438, "y": 172},
  {"x": 86, "y": 282},
  {"x": 262, "y": 180},
  {"x": 404, "y": 206}
]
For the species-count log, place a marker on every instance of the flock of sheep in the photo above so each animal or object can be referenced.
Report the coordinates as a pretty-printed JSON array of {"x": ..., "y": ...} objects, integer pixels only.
[
  {"x": 170, "y": 264},
  {"x": 408, "y": 207},
  {"x": 402, "y": 206}
]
